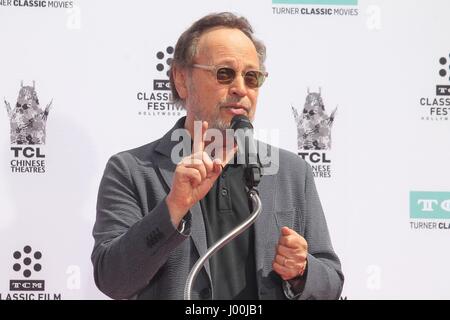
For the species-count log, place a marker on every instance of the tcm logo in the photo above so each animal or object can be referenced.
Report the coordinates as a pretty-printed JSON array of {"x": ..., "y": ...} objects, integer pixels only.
[
  {"x": 429, "y": 205},
  {"x": 164, "y": 62},
  {"x": 27, "y": 262},
  {"x": 26, "y": 285},
  {"x": 27, "y": 119},
  {"x": 319, "y": 2},
  {"x": 444, "y": 72},
  {"x": 158, "y": 102}
]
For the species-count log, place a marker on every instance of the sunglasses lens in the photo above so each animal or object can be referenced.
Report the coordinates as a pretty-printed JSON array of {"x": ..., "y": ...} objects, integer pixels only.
[
  {"x": 225, "y": 75},
  {"x": 254, "y": 79}
]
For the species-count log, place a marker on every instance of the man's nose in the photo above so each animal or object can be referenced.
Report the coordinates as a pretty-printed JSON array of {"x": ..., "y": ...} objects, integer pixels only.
[{"x": 238, "y": 87}]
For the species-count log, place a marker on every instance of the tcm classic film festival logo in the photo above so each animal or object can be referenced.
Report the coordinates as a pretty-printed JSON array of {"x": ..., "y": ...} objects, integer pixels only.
[
  {"x": 315, "y": 7},
  {"x": 314, "y": 133},
  {"x": 158, "y": 102},
  {"x": 429, "y": 210},
  {"x": 27, "y": 264},
  {"x": 437, "y": 107},
  {"x": 28, "y": 122}
]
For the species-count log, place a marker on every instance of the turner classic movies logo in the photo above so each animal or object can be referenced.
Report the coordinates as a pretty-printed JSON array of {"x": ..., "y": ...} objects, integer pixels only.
[
  {"x": 158, "y": 102},
  {"x": 437, "y": 107},
  {"x": 314, "y": 133},
  {"x": 27, "y": 131},
  {"x": 27, "y": 265},
  {"x": 429, "y": 210},
  {"x": 37, "y": 4},
  {"x": 315, "y": 7}
]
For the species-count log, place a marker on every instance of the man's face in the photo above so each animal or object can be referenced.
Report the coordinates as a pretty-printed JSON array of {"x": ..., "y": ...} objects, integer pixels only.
[{"x": 208, "y": 100}]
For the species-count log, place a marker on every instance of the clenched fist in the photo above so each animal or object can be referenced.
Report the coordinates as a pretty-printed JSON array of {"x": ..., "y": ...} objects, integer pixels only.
[{"x": 291, "y": 253}]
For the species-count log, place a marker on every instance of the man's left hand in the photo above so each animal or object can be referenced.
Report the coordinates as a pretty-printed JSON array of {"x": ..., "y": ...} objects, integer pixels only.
[{"x": 291, "y": 253}]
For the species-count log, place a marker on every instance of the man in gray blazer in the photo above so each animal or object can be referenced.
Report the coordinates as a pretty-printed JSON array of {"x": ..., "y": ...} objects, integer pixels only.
[{"x": 157, "y": 216}]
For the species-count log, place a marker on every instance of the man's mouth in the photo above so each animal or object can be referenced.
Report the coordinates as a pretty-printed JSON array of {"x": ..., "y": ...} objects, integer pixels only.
[{"x": 236, "y": 109}]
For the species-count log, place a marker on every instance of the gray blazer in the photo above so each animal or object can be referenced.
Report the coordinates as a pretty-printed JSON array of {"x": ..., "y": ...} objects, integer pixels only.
[{"x": 138, "y": 253}]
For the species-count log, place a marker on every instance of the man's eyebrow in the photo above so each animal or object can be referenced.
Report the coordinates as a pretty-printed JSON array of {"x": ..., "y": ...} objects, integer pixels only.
[{"x": 232, "y": 62}]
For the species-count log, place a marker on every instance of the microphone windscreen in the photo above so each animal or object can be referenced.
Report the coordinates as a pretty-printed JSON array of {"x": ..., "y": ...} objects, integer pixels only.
[{"x": 240, "y": 122}]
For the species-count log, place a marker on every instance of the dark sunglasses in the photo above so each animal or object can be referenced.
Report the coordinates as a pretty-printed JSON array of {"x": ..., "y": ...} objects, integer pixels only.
[{"x": 226, "y": 75}]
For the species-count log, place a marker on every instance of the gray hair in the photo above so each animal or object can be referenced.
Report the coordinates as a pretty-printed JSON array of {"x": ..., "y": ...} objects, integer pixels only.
[{"x": 186, "y": 47}]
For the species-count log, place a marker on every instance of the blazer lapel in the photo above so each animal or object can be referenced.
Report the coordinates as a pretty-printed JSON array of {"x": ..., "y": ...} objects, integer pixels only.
[
  {"x": 167, "y": 169},
  {"x": 264, "y": 227},
  {"x": 264, "y": 222}
]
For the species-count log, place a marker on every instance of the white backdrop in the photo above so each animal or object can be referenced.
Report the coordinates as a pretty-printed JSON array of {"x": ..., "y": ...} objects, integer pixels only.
[{"x": 96, "y": 60}]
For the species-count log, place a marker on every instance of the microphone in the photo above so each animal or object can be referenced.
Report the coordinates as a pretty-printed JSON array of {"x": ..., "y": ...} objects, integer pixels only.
[
  {"x": 247, "y": 151},
  {"x": 243, "y": 135}
]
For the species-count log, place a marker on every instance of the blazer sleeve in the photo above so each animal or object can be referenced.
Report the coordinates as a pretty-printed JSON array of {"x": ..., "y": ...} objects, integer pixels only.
[{"x": 130, "y": 244}]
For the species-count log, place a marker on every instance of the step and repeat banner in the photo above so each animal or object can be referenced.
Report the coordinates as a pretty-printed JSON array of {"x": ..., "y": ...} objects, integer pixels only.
[{"x": 358, "y": 88}]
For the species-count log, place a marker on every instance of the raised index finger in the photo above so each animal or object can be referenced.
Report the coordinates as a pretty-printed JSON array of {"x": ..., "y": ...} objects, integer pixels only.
[{"x": 200, "y": 128}]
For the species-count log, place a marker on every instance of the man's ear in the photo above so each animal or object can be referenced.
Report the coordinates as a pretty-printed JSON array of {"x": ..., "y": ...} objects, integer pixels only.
[{"x": 180, "y": 79}]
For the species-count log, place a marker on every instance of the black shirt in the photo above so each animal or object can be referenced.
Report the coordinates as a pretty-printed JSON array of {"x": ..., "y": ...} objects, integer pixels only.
[{"x": 226, "y": 205}]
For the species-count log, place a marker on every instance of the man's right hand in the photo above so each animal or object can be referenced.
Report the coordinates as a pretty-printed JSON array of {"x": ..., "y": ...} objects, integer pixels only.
[{"x": 194, "y": 177}]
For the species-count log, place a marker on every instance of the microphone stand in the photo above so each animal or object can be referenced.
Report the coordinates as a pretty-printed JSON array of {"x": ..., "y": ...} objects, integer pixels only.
[{"x": 252, "y": 175}]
